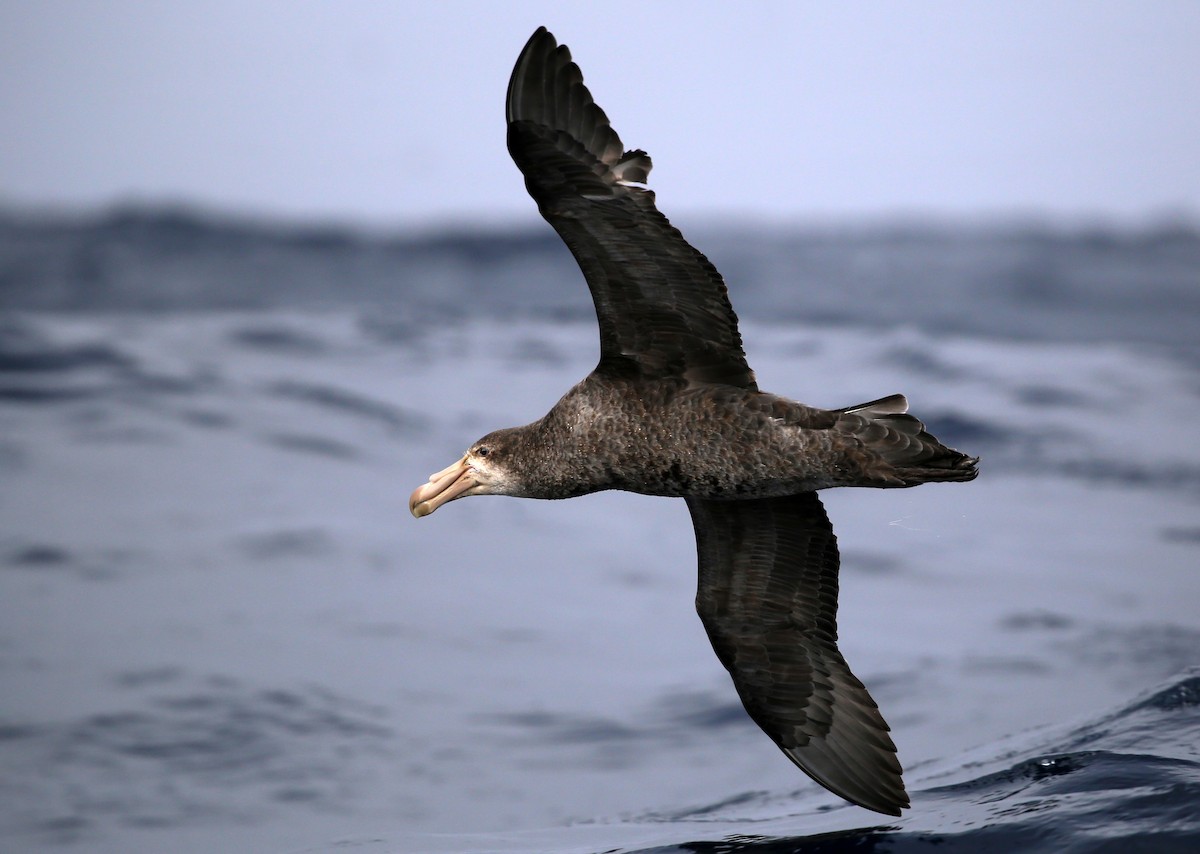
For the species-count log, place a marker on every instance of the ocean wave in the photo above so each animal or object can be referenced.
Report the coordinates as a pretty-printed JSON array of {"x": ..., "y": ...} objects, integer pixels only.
[{"x": 1111, "y": 784}]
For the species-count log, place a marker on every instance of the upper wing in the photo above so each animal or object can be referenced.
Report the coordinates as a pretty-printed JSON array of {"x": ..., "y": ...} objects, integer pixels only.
[
  {"x": 663, "y": 308},
  {"x": 768, "y": 599}
]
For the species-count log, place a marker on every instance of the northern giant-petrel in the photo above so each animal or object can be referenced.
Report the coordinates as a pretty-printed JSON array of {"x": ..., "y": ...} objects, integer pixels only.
[{"x": 673, "y": 409}]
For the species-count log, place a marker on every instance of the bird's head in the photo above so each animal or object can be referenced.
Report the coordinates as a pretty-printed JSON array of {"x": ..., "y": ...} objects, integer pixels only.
[{"x": 485, "y": 469}]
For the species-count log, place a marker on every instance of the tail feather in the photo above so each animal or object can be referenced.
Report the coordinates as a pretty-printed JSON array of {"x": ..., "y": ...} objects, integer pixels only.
[
  {"x": 893, "y": 404},
  {"x": 901, "y": 452}
]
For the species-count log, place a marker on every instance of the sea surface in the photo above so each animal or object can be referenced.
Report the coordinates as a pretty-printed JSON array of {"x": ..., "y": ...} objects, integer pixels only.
[{"x": 220, "y": 629}]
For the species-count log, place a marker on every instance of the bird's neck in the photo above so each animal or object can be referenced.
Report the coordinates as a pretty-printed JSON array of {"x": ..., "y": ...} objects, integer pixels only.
[{"x": 554, "y": 466}]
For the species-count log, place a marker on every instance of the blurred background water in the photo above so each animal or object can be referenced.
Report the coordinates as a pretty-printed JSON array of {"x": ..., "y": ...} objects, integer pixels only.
[
  {"x": 221, "y": 630},
  {"x": 264, "y": 266}
]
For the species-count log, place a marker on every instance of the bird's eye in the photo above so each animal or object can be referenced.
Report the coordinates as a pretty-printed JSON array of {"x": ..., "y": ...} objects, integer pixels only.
[{"x": 482, "y": 451}]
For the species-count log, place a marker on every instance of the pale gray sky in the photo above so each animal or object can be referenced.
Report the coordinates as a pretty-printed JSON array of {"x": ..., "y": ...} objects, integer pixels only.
[{"x": 391, "y": 113}]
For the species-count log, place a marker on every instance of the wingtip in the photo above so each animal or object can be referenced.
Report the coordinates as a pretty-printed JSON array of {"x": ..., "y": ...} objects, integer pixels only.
[
  {"x": 540, "y": 34},
  {"x": 541, "y": 37},
  {"x": 874, "y": 788},
  {"x": 542, "y": 42},
  {"x": 555, "y": 127}
]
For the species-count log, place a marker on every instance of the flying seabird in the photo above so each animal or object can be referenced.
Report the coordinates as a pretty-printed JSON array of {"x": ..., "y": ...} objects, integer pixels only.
[{"x": 673, "y": 409}]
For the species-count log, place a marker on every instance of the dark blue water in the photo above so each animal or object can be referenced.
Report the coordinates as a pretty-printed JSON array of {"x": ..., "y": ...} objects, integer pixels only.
[
  {"x": 1020, "y": 280},
  {"x": 1127, "y": 781},
  {"x": 219, "y": 630}
]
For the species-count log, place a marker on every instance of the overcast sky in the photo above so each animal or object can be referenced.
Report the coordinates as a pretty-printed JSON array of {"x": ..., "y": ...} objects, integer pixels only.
[{"x": 391, "y": 113}]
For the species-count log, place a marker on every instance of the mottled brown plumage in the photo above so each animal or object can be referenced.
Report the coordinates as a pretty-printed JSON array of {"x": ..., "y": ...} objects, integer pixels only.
[{"x": 673, "y": 409}]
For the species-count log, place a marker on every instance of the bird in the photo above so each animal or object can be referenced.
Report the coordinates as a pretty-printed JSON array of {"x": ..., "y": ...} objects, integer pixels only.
[{"x": 673, "y": 409}]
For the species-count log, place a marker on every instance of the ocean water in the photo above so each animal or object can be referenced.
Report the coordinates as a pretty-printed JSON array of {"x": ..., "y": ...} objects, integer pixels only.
[{"x": 220, "y": 629}]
